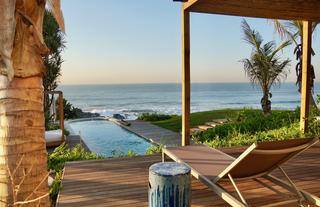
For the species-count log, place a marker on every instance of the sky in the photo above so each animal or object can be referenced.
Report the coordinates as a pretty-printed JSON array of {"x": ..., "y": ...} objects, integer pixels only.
[{"x": 126, "y": 41}]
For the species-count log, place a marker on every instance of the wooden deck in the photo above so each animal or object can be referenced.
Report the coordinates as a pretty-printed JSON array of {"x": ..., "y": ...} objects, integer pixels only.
[{"x": 124, "y": 182}]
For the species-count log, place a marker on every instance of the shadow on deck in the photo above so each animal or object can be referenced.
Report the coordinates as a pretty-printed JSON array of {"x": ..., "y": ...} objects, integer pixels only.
[{"x": 124, "y": 182}]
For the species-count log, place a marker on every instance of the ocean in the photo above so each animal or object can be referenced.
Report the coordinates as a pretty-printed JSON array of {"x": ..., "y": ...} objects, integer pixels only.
[{"x": 133, "y": 99}]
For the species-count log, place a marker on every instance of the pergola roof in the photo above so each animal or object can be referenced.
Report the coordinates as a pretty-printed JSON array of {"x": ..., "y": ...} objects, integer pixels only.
[
  {"x": 272, "y": 9},
  {"x": 306, "y": 10}
]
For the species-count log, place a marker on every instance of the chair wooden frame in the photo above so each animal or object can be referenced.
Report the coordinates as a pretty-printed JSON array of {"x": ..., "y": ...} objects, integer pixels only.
[{"x": 226, "y": 174}]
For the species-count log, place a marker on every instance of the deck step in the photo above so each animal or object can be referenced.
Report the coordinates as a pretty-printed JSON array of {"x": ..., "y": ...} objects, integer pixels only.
[
  {"x": 195, "y": 130},
  {"x": 220, "y": 121},
  {"x": 205, "y": 127},
  {"x": 213, "y": 124}
]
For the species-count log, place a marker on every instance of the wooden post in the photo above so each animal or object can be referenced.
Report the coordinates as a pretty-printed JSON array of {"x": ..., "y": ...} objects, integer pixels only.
[
  {"x": 185, "y": 77},
  {"x": 305, "y": 82},
  {"x": 61, "y": 114}
]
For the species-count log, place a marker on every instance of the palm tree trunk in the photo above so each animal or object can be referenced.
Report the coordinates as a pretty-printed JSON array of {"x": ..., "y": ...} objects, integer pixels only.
[
  {"x": 266, "y": 103},
  {"x": 312, "y": 102},
  {"x": 23, "y": 155}
]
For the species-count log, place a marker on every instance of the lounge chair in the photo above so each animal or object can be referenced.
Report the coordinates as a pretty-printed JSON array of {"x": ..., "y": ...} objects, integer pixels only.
[
  {"x": 54, "y": 138},
  {"x": 258, "y": 161}
]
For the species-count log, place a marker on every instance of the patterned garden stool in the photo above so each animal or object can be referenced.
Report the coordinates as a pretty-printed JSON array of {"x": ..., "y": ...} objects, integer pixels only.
[{"x": 169, "y": 185}]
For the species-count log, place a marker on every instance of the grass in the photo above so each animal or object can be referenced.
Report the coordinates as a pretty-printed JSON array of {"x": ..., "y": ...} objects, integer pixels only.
[
  {"x": 245, "y": 126},
  {"x": 252, "y": 126},
  {"x": 198, "y": 118},
  {"x": 245, "y": 139}
]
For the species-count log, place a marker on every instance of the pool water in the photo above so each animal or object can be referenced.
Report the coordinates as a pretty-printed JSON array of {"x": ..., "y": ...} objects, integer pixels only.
[{"x": 108, "y": 139}]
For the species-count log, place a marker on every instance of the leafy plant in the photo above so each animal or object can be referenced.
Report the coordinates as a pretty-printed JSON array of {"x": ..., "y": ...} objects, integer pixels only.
[
  {"x": 54, "y": 39},
  {"x": 71, "y": 112},
  {"x": 251, "y": 126},
  {"x": 264, "y": 67},
  {"x": 248, "y": 122},
  {"x": 154, "y": 117},
  {"x": 59, "y": 157},
  {"x": 154, "y": 149},
  {"x": 119, "y": 153}
]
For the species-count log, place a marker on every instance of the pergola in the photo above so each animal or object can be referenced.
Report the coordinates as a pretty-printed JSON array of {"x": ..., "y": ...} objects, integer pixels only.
[{"x": 306, "y": 10}]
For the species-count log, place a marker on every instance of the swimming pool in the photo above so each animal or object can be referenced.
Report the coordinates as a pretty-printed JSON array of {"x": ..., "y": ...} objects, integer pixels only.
[{"x": 106, "y": 138}]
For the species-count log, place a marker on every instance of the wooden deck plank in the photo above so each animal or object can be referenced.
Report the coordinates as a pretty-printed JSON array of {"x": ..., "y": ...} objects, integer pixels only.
[{"x": 124, "y": 181}]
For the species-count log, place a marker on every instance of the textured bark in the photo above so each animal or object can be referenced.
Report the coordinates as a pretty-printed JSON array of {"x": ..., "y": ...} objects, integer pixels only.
[
  {"x": 23, "y": 156},
  {"x": 7, "y": 31},
  {"x": 22, "y": 140},
  {"x": 29, "y": 48}
]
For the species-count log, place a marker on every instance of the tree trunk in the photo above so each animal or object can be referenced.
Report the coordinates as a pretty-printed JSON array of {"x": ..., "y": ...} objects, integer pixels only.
[
  {"x": 23, "y": 155},
  {"x": 266, "y": 104}
]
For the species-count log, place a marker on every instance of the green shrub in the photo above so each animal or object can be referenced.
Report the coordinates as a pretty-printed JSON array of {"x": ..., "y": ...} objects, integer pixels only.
[
  {"x": 155, "y": 149},
  {"x": 59, "y": 157},
  {"x": 249, "y": 122},
  {"x": 154, "y": 117},
  {"x": 71, "y": 112},
  {"x": 245, "y": 139}
]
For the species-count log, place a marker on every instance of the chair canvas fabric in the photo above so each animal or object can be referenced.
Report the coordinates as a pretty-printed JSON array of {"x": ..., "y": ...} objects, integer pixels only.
[{"x": 211, "y": 165}]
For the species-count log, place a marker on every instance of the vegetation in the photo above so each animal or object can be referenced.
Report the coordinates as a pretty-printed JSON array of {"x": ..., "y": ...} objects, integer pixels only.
[
  {"x": 197, "y": 118},
  {"x": 154, "y": 117},
  {"x": 71, "y": 112},
  {"x": 63, "y": 154},
  {"x": 264, "y": 67},
  {"x": 118, "y": 153},
  {"x": 54, "y": 39},
  {"x": 155, "y": 149},
  {"x": 251, "y": 126},
  {"x": 292, "y": 31},
  {"x": 57, "y": 160}
]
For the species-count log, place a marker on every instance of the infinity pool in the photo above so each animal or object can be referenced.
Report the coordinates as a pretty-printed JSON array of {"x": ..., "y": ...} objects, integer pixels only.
[{"x": 108, "y": 139}]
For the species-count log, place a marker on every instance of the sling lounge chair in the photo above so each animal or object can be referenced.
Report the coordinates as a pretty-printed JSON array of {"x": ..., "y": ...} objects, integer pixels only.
[{"x": 211, "y": 166}]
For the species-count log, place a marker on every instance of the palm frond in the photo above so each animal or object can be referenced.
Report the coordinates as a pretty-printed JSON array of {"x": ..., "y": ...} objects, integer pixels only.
[
  {"x": 54, "y": 6},
  {"x": 250, "y": 36},
  {"x": 264, "y": 67},
  {"x": 284, "y": 30},
  {"x": 280, "y": 48}
]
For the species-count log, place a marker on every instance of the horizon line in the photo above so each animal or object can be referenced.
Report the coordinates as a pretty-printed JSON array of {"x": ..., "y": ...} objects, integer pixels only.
[{"x": 159, "y": 83}]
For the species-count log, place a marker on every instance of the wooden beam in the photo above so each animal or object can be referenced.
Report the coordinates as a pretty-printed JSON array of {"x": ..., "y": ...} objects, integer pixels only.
[
  {"x": 305, "y": 80},
  {"x": 189, "y": 3},
  {"x": 185, "y": 77},
  {"x": 272, "y": 9},
  {"x": 61, "y": 115}
]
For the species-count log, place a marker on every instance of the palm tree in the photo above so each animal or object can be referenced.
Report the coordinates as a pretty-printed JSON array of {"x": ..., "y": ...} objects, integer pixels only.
[
  {"x": 23, "y": 156},
  {"x": 264, "y": 67},
  {"x": 292, "y": 31}
]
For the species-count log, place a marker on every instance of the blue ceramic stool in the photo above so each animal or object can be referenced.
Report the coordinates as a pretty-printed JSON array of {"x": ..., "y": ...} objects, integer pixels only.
[{"x": 169, "y": 185}]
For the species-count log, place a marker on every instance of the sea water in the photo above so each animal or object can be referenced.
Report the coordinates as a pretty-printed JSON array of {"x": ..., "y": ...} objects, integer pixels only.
[{"x": 133, "y": 99}]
